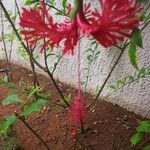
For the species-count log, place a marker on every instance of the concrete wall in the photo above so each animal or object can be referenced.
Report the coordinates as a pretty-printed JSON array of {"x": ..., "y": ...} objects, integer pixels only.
[{"x": 134, "y": 97}]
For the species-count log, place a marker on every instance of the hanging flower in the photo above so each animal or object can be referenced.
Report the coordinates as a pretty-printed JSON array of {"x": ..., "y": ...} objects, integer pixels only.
[
  {"x": 77, "y": 112},
  {"x": 69, "y": 33},
  {"x": 69, "y": 28},
  {"x": 113, "y": 23},
  {"x": 39, "y": 25}
]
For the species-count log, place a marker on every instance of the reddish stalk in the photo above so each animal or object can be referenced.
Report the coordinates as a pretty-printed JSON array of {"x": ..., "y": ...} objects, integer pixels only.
[
  {"x": 79, "y": 86},
  {"x": 32, "y": 130}
]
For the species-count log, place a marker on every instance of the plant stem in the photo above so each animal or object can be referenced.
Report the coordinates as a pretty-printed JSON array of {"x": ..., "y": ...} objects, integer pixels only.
[
  {"x": 87, "y": 79},
  {"x": 56, "y": 64},
  {"x": 31, "y": 129},
  {"x": 140, "y": 146},
  {"x": 12, "y": 41},
  {"x": 8, "y": 70},
  {"x": 35, "y": 80},
  {"x": 17, "y": 7},
  {"x": 29, "y": 53},
  {"x": 107, "y": 78},
  {"x": 18, "y": 36},
  {"x": 82, "y": 126},
  {"x": 122, "y": 51},
  {"x": 51, "y": 75},
  {"x": 52, "y": 6},
  {"x": 3, "y": 70},
  {"x": 54, "y": 82}
]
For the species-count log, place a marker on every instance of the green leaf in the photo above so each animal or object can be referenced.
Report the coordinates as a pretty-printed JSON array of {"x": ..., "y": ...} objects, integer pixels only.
[
  {"x": 1, "y": 81},
  {"x": 51, "y": 2},
  {"x": 132, "y": 53},
  {"x": 136, "y": 138},
  {"x": 7, "y": 123},
  {"x": 62, "y": 103},
  {"x": 142, "y": 1},
  {"x": 141, "y": 73},
  {"x": 64, "y": 3},
  {"x": 144, "y": 127},
  {"x": 147, "y": 70},
  {"x": 60, "y": 13},
  {"x": 35, "y": 90},
  {"x": 30, "y": 2},
  {"x": 120, "y": 83},
  {"x": 142, "y": 15},
  {"x": 34, "y": 106},
  {"x": 128, "y": 78},
  {"x": 5, "y": 79},
  {"x": 11, "y": 85},
  {"x": 21, "y": 82},
  {"x": 12, "y": 98},
  {"x": 112, "y": 86},
  {"x": 146, "y": 147},
  {"x": 46, "y": 95},
  {"x": 137, "y": 37}
]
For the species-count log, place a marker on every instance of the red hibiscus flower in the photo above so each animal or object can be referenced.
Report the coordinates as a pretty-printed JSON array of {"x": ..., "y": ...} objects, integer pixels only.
[
  {"x": 113, "y": 23},
  {"x": 69, "y": 35},
  {"x": 69, "y": 28},
  {"x": 77, "y": 111},
  {"x": 38, "y": 25}
]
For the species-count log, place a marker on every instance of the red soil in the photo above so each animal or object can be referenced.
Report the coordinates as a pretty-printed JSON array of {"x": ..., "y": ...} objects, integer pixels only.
[{"x": 108, "y": 127}]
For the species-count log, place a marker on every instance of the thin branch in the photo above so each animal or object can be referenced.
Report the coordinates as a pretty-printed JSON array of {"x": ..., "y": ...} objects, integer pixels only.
[
  {"x": 5, "y": 51},
  {"x": 58, "y": 10},
  {"x": 109, "y": 75},
  {"x": 56, "y": 64},
  {"x": 124, "y": 85},
  {"x": 53, "y": 80},
  {"x": 118, "y": 47},
  {"x": 3, "y": 70},
  {"x": 146, "y": 24},
  {"x": 148, "y": 6},
  {"x": 45, "y": 69},
  {"x": 35, "y": 80},
  {"x": 31, "y": 129},
  {"x": 3, "y": 38},
  {"x": 107, "y": 78},
  {"x": 52, "y": 6},
  {"x": 17, "y": 8},
  {"x": 19, "y": 38},
  {"x": 12, "y": 41},
  {"x": 51, "y": 75}
]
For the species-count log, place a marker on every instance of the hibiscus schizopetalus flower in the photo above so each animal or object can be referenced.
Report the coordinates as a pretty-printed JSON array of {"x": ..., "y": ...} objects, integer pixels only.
[
  {"x": 37, "y": 25},
  {"x": 113, "y": 22},
  {"x": 77, "y": 112}
]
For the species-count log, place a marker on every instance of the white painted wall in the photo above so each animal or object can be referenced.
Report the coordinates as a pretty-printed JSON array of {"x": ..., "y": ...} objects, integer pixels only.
[{"x": 134, "y": 97}]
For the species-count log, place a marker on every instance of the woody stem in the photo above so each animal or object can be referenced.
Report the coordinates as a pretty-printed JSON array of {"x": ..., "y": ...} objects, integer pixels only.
[
  {"x": 79, "y": 87},
  {"x": 32, "y": 130},
  {"x": 29, "y": 53}
]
